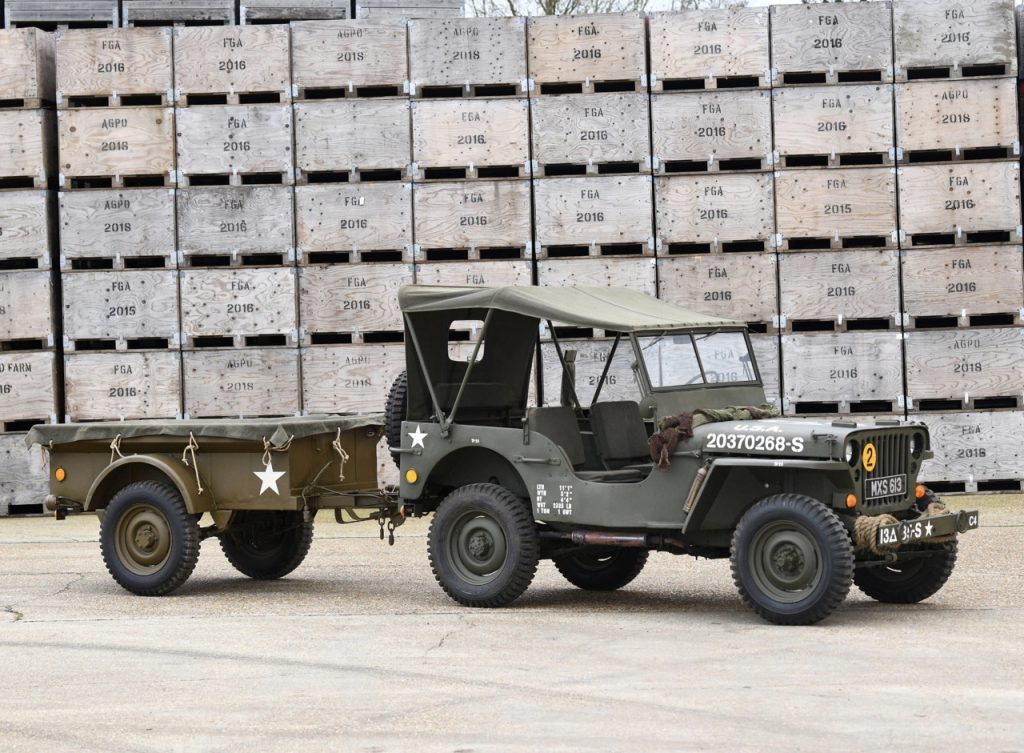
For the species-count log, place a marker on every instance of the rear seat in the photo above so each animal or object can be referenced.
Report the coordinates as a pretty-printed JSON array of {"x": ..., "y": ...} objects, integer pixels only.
[{"x": 559, "y": 424}]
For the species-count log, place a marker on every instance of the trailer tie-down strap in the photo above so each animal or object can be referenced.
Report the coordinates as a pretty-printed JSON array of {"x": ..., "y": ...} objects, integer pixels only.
[
  {"x": 342, "y": 455},
  {"x": 269, "y": 446},
  {"x": 191, "y": 447},
  {"x": 115, "y": 448}
]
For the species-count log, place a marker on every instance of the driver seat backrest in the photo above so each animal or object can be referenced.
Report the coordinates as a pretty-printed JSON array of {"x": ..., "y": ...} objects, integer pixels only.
[
  {"x": 558, "y": 423},
  {"x": 619, "y": 433}
]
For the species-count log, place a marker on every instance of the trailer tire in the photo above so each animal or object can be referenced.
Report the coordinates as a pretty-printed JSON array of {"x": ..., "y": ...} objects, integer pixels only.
[
  {"x": 602, "y": 571},
  {"x": 910, "y": 581},
  {"x": 267, "y": 544},
  {"x": 149, "y": 540},
  {"x": 394, "y": 414}
]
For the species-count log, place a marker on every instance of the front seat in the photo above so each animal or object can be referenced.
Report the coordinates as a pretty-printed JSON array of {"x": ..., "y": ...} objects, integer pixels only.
[
  {"x": 620, "y": 435},
  {"x": 558, "y": 423}
]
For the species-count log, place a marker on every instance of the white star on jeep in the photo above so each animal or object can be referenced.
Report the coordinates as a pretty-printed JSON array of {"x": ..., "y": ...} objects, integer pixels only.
[
  {"x": 928, "y": 528},
  {"x": 268, "y": 476},
  {"x": 417, "y": 437}
]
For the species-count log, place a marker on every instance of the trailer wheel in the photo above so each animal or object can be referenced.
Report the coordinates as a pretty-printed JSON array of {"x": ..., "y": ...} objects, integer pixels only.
[
  {"x": 602, "y": 570},
  {"x": 792, "y": 559},
  {"x": 149, "y": 541},
  {"x": 267, "y": 544},
  {"x": 910, "y": 581},
  {"x": 483, "y": 546},
  {"x": 394, "y": 414}
]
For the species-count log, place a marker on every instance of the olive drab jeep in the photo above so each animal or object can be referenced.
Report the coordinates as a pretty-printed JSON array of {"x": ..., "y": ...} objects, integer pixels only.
[{"x": 669, "y": 446}]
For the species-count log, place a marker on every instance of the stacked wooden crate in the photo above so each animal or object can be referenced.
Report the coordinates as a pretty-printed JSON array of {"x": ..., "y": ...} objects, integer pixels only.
[
  {"x": 29, "y": 329},
  {"x": 51, "y": 14},
  {"x": 398, "y": 10},
  {"x": 960, "y": 223},
  {"x": 171, "y": 12}
]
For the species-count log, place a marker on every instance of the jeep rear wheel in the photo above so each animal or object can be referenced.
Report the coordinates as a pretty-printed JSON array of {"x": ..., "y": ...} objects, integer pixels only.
[
  {"x": 483, "y": 546},
  {"x": 602, "y": 570},
  {"x": 267, "y": 544},
  {"x": 792, "y": 559},
  {"x": 909, "y": 581}
]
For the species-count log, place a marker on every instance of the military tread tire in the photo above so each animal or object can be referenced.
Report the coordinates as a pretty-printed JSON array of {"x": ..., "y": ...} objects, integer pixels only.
[
  {"x": 267, "y": 544},
  {"x": 792, "y": 559},
  {"x": 602, "y": 571},
  {"x": 148, "y": 539},
  {"x": 394, "y": 413},
  {"x": 910, "y": 581},
  {"x": 483, "y": 546}
]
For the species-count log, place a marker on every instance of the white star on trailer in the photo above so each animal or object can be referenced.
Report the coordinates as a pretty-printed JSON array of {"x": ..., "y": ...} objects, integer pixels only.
[
  {"x": 417, "y": 437},
  {"x": 268, "y": 476}
]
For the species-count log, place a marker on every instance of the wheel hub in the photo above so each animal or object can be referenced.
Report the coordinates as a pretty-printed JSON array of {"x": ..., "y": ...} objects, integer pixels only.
[
  {"x": 142, "y": 539},
  {"x": 789, "y": 560},
  {"x": 146, "y": 537},
  {"x": 785, "y": 561},
  {"x": 480, "y": 545},
  {"x": 477, "y": 547}
]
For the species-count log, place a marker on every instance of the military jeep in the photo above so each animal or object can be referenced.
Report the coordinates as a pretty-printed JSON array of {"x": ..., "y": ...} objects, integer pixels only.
[{"x": 802, "y": 507}]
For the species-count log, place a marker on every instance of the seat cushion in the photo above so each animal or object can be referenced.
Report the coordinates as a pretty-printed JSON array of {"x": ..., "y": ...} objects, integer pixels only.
[{"x": 619, "y": 431}]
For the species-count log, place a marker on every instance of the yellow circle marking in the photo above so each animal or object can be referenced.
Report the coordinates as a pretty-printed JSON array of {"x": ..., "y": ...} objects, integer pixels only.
[{"x": 869, "y": 457}]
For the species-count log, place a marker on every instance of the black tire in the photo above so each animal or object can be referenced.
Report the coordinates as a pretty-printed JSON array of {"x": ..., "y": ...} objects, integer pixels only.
[
  {"x": 602, "y": 570},
  {"x": 792, "y": 559},
  {"x": 483, "y": 546},
  {"x": 150, "y": 542},
  {"x": 267, "y": 544},
  {"x": 394, "y": 414},
  {"x": 910, "y": 581}
]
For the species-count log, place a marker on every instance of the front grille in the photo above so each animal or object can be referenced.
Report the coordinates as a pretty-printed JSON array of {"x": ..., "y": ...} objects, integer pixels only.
[{"x": 893, "y": 460}]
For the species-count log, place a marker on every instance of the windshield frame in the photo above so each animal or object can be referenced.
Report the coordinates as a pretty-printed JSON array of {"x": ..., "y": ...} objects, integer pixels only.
[{"x": 641, "y": 364}]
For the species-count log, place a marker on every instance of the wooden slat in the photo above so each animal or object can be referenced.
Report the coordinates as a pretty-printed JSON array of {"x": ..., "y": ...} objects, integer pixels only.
[
  {"x": 227, "y": 139},
  {"x": 712, "y": 126},
  {"x": 834, "y": 120},
  {"x": 123, "y": 141},
  {"x": 275, "y": 10},
  {"x": 122, "y": 385},
  {"x": 714, "y": 208},
  {"x": 467, "y": 51},
  {"x": 963, "y": 282},
  {"x": 351, "y": 298},
  {"x": 27, "y": 145},
  {"x": 73, "y": 12},
  {"x": 733, "y": 286},
  {"x": 636, "y": 274},
  {"x": 27, "y": 384},
  {"x": 352, "y": 135},
  {"x": 229, "y": 59},
  {"x": 839, "y": 285},
  {"x": 965, "y": 364},
  {"x": 249, "y": 382},
  {"x": 136, "y": 303},
  {"x": 26, "y": 306},
  {"x": 481, "y": 132},
  {"x": 972, "y": 446},
  {"x": 588, "y": 129},
  {"x": 349, "y": 378},
  {"x": 238, "y": 302},
  {"x": 961, "y": 114},
  {"x": 26, "y": 66},
  {"x": 24, "y": 480},
  {"x": 113, "y": 63},
  {"x": 361, "y": 52},
  {"x": 938, "y": 33},
  {"x": 600, "y": 210},
  {"x": 25, "y": 226},
  {"x": 235, "y": 220},
  {"x": 177, "y": 11},
  {"x": 131, "y": 223},
  {"x": 353, "y": 217},
  {"x": 480, "y": 273},
  {"x": 605, "y": 47},
  {"x": 841, "y": 368},
  {"x": 473, "y": 214}
]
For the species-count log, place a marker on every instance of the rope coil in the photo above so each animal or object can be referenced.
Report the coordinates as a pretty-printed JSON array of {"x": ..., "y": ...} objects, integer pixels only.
[
  {"x": 268, "y": 448},
  {"x": 342, "y": 455}
]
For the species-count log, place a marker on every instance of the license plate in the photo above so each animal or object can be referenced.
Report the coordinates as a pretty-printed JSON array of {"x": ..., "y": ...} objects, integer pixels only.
[{"x": 887, "y": 486}]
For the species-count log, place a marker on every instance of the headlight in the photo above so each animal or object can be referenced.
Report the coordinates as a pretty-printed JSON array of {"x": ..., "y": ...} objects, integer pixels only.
[{"x": 852, "y": 452}]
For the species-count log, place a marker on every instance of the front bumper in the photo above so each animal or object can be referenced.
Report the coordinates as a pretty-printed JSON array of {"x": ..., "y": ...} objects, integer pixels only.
[{"x": 924, "y": 529}]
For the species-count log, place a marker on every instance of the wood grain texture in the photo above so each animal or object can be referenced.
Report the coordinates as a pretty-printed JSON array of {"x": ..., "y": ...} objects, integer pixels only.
[
  {"x": 235, "y": 220},
  {"x": 972, "y": 446},
  {"x": 25, "y": 225},
  {"x": 709, "y": 43},
  {"x": 971, "y": 196},
  {"x": 235, "y": 139},
  {"x": 49, "y": 12},
  {"x": 26, "y": 64},
  {"x": 349, "y": 378},
  {"x": 175, "y": 11},
  {"x": 26, "y": 471},
  {"x": 353, "y": 217},
  {"x": 457, "y": 133},
  {"x": 956, "y": 364},
  {"x": 459, "y": 51},
  {"x": 964, "y": 113},
  {"x": 848, "y": 37},
  {"x": 712, "y": 125},
  {"x": 225, "y": 59},
  {"x": 122, "y": 385},
  {"x": 940, "y": 33},
  {"x": 243, "y": 382},
  {"x": 605, "y": 47},
  {"x": 472, "y": 214},
  {"x": 116, "y": 141},
  {"x": 963, "y": 281},
  {"x": 368, "y": 135},
  {"x": 596, "y": 210},
  {"x": 359, "y": 52},
  {"x": 769, "y": 364},
  {"x": 102, "y": 62},
  {"x": 26, "y": 305},
  {"x": 850, "y": 366},
  {"x": 288, "y": 10},
  {"x": 636, "y": 274},
  {"x": 124, "y": 222},
  {"x": 833, "y": 119},
  {"x": 839, "y": 285},
  {"x": 126, "y": 304},
  {"x": 27, "y": 384},
  {"x": 481, "y": 273},
  {"x": 836, "y": 203},
  {"x": 228, "y": 302},
  {"x": 27, "y": 145},
  {"x": 733, "y": 286},
  {"x": 591, "y": 128},
  {"x": 714, "y": 207},
  {"x": 352, "y": 298}
]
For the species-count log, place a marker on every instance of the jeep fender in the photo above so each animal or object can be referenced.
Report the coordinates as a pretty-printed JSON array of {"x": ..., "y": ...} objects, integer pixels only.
[{"x": 133, "y": 468}]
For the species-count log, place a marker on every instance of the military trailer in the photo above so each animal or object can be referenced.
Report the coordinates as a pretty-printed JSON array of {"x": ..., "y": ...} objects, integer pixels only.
[{"x": 684, "y": 457}]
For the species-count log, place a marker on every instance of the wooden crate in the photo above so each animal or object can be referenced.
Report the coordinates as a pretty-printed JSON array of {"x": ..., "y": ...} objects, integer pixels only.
[
  {"x": 817, "y": 43},
  {"x": 591, "y": 359},
  {"x": 636, "y": 274},
  {"x": 483, "y": 219},
  {"x": 349, "y": 378},
  {"x": 769, "y": 365},
  {"x": 600, "y": 214},
  {"x": 963, "y": 283},
  {"x": 839, "y": 289},
  {"x": 23, "y": 486},
  {"x": 114, "y": 67},
  {"x": 850, "y": 207},
  {"x": 819, "y": 126},
  {"x": 714, "y": 212},
  {"x": 711, "y": 131},
  {"x": 353, "y": 222},
  {"x": 263, "y": 11},
  {"x": 476, "y": 56},
  {"x": 26, "y": 68},
  {"x": 27, "y": 382},
  {"x": 960, "y": 202},
  {"x": 346, "y": 58},
  {"x": 249, "y": 224},
  {"x": 972, "y": 447},
  {"x": 232, "y": 61},
  {"x": 347, "y": 303},
  {"x": 965, "y": 365},
  {"x": 448, "y": 9},
  {"x": 733, "y": 286},
  {"x": 241, "y": 304},
  {"x": 116, "y": 143},
  {"x": 846, "y": 372},
  {"x": 709, "y": 48},
  {"x": 471, "y": 133},
  {"x": 28, "y": 149},
  {"x": 120, "y": 310},
  {"x": 476, "y": 273},
  {"x": 954, "y": 116},
  {"x": 586, "y": 50},
  {"x": 170, "y": 12},
  {"x": 26, "y": 308},
  {"x": 27, "y": 235},
  {"x": 591, "y": 131},
  {"x": 352, "y": 137},
  {"x": 236, "y": 140},
  {"x": 939, "y": 38},
  {"x": 250, "y": 382},
  {"x": 48, "y": 12},
  {"x": 131, "y": 228},
  {"x": 123, "y": 386}
]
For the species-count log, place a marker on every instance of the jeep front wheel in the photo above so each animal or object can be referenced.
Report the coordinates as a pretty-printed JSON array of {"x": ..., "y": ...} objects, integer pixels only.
[
  {"x": 602, "y": 570},
  {"x": 908, "y": 581},
  {"x": 483, "y": 546},
  {"x": 792, "y": 559}
]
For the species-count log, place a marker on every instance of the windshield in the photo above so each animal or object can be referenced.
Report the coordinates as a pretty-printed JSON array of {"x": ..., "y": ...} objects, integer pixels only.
[{"x": 675, "y": 360}]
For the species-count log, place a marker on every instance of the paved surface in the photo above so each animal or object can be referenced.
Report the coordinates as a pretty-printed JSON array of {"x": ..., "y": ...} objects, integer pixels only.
[{"x": 359, "y": 650}]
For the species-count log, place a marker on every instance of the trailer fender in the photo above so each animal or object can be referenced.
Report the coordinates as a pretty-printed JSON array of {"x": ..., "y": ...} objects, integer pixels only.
[{"x": 164, "y": 468}]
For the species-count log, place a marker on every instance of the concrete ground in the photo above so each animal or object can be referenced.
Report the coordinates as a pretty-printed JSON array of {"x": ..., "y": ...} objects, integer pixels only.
[{"x": 359, "y": 650}]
